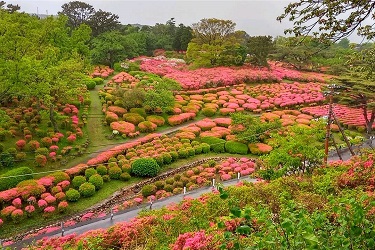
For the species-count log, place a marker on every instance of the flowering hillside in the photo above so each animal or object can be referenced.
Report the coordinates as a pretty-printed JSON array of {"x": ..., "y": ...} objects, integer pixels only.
[{"x": 220, "y": 76}]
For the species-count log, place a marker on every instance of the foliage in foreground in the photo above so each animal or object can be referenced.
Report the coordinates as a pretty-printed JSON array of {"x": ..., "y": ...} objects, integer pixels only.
[{"x": 331, "y": 209}]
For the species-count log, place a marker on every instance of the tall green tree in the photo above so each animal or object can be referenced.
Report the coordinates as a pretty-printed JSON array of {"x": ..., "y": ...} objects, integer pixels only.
[
  {"x": 111, "y": 47},
  {"x": 259, "y": 47},
  {"x": 103, "y": 21},
  {"x": 39, "y": 58},
  {"x": 99, "y": 21},
  {"x": 215, "y": 42},
  {"x": 77, "y": 12}
]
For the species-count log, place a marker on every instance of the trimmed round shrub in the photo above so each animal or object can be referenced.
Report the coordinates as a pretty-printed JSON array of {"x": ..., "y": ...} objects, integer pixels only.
[
  {"x": 97, "y": 181},
  {"x": 198, "y": 149},
  {"x": 134, "y": 118},
  {"x": 174, "y": 155},
  {"x": 114, "y": 173},
  {"x": 148, "y": 190},
  {"x": 158, "y": 120},
  {"x": 90, "y": 172},
  {"x": 59, "y": 177},
  {"x": 159, "y": 160},
  {"x": 87, "y": 189},
  {"x": 168, "y": 188},
  {"x": 106, "y": 178},
  {"x": 159, "y": 185},
  {"x": 140, "y": 111},
  {"x": 62, "y": 207},
  {"x": 209, "y": 112},
  {"x": 78, "y": 181},
  {"x": 145, "y": 167},
  {"x": 216, "y": 145},
  {"x": 42, "y": 151},
  {"x": 183, "y": 153},
  {"x": 73, "y": 195},
  {"x": 102, "y": 170},
  {"x": 167, "y": 158},
  {"x": 147, "y": 126},
  {"x": 18, "y": 175},
  {"x": 234, "y": 147},
  {"x": 125, "y": 176},
  {"x": 169, "y": 181},
  {"x": 205, "y": 148},
  {"x": 98, "y": 80},
  {"x": 90, "y": 84},
  {"x": 40, "y": 160}
]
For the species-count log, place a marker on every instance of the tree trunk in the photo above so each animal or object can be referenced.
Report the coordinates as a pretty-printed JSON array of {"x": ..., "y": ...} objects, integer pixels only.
[
  {"x": 52, "y": 118},
  {"x": 369, "y": 122}
]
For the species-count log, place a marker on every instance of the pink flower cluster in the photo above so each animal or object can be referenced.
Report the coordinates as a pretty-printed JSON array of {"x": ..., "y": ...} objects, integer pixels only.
[
  {"x": 102, "y": 71},
  {"x": 346, "y": 115},
  {"x": 221, "y": 76},
  {"x": 193, "y": 241}
]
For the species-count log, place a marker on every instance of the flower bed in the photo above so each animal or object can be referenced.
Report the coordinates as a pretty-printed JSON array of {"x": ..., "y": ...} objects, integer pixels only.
[
  {"x": 350, "y": 117},
  {"x": 220, "y": 76}
]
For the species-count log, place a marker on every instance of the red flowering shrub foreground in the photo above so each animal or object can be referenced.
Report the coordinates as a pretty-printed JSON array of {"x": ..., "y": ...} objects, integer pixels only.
[
  {"x": 220, "y": 76},
  {"x": 299, "y": 211}
]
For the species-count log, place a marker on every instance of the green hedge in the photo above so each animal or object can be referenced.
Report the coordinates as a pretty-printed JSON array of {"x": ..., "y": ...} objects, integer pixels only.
[
  {"x": 145, "y": 167},
  {"x": 216, "y": 145},
  {"x": 234, "y": 147},
  {"x": 21, "y": 173}
]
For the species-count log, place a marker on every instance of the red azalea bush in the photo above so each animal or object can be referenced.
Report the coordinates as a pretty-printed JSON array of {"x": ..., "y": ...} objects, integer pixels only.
[
  {"x": 41, "y": 160},
  {"x": 49, "y": 210},
  {"x": 62, "y": 206},
  {"x": 123, "y": 127},
  {"x": 7, "y": 211},
  {"x": 117, "y": 110},
  {"x": 158, "y": 120},
  {"x": 259, "y": 148},
  {"x": 17, "y": 215},
  {"x": 71, "y": 138},
  {"x": 21, "y": 144},
  {"x": 17, "y": 203},
  {"x": 147, "y": 126},
  {"x": 42, "y": 203},
  {"x": 181, "y": 118},
  {"x": 111, "y": 117},
  {"x": 194, "y": 241}
]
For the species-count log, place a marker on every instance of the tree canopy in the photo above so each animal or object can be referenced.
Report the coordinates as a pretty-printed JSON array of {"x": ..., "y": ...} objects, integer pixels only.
[
  {"x": 83, "y": 13},
  {"x": 216, "y": 42},
  {"x": 330, "y": 20}
]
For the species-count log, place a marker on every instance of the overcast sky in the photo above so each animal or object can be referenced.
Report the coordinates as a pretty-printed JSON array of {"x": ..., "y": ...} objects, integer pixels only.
[{"x": 256, "y": 17}]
